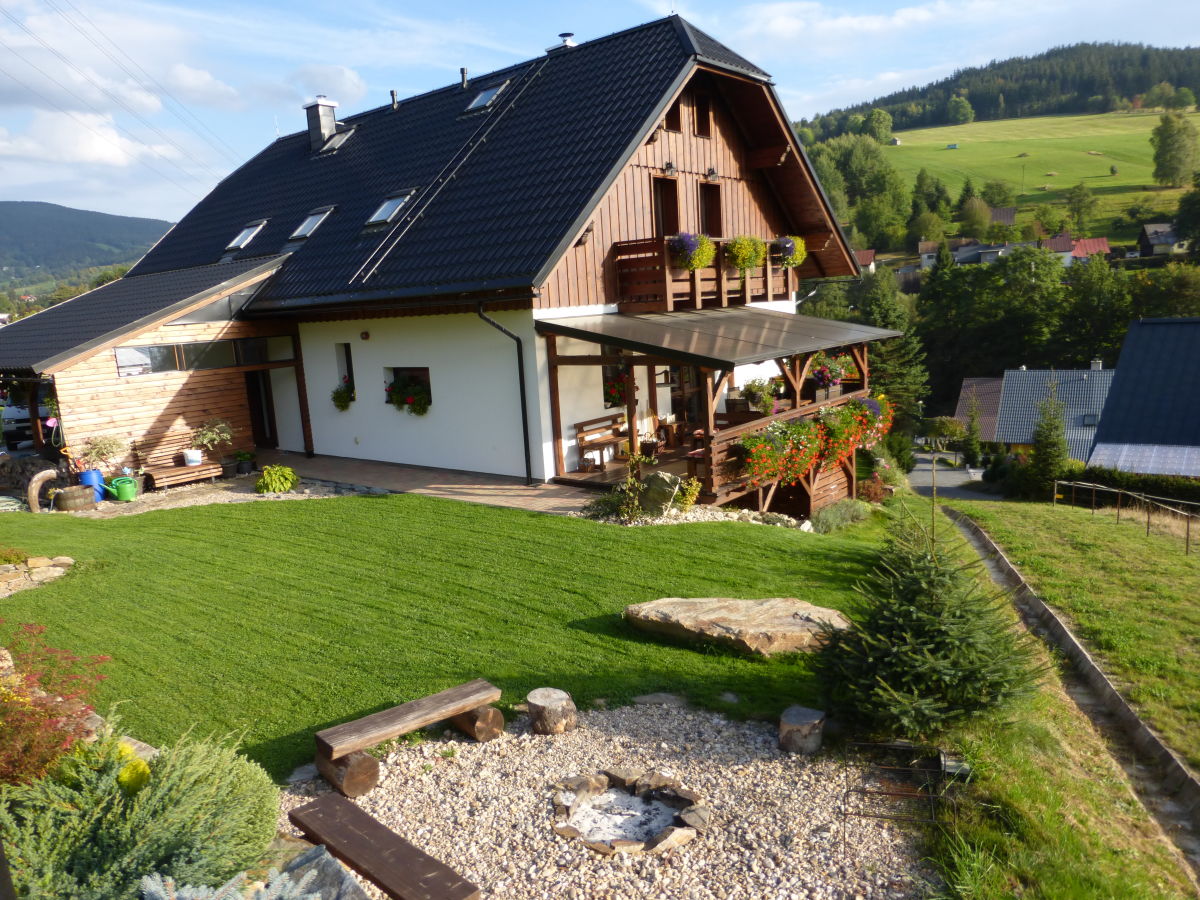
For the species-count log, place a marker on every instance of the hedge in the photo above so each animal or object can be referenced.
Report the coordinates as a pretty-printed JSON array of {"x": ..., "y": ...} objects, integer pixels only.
[{"x": 1174, "y": 487}]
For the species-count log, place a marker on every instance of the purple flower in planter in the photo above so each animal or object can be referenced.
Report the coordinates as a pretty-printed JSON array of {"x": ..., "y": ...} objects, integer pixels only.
[
  {"x": 872, "y": 406},
  {"x": 786, "y": 246},
  {"x": 684, "y": 243}
]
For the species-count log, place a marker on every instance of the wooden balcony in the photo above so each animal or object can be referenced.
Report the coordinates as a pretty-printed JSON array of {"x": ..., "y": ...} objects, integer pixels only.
[{"x": 649, "y": 281}]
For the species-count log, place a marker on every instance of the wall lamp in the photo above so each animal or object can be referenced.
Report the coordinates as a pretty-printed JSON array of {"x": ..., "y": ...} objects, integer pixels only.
[{"x": 670, "y": 170}]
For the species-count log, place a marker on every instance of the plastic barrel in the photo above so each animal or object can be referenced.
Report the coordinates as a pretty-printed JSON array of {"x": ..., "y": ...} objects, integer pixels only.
[
  {"x": 94, "y": 478},
  {"x": 126, "y": 488}
]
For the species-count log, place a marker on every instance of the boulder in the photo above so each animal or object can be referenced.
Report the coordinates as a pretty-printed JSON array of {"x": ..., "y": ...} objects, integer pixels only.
[
  {"x": 776, "y": 625},
  {"x": 38, "y": 562},
  {"x": 659, "y": 489}
]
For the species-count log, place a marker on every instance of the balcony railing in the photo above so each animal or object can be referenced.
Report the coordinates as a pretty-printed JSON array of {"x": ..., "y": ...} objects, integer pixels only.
[{"x": 649, "y": 281}]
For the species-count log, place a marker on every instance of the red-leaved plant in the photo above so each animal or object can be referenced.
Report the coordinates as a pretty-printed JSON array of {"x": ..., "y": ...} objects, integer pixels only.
[{"x": 43, "y": 704}]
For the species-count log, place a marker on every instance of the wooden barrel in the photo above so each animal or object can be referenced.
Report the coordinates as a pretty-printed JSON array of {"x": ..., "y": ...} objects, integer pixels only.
[{"x": 79, "y": 496}]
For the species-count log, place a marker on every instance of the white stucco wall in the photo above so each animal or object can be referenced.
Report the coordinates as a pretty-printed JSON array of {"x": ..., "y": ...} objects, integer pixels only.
[
  {"x": 474, "y": 422},
  {"x": 286, "y": 400}
]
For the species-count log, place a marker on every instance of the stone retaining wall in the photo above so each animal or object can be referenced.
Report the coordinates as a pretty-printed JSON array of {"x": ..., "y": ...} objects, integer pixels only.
[{"x": 1177, "y": 779}]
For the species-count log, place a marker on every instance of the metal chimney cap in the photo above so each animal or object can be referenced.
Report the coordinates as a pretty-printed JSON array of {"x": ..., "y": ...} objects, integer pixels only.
[
  {"x": 321, "y": 100},
  {"x": 565, "y": 38}
]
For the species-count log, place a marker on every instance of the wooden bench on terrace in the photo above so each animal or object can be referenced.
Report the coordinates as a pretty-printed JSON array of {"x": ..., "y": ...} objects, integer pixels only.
[
  {"x": 162, "y": 458},
  {"x": 378, "y": 853},
  {"x": 599, "y": 434},
  {"x": 353, "y": 772}
]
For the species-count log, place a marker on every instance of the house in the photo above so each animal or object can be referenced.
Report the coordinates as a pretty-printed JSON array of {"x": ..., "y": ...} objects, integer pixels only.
[
  {"x": 1075, "y": 250},
  {"x": 489, "y": 268},
  {"x": 895, "y": 142},
  {"x": 928, "y": 250},
  {"x": 865, "y": 260},
  {"x": 1004, "y": 215},
  {"x": 1081, "y": 391},
  {"x": 985, "y": 393},
  {"x": 1159, "y": 239},
  {"x": 1062, "y": 245},
  {"x": 1151, "y": 421}
]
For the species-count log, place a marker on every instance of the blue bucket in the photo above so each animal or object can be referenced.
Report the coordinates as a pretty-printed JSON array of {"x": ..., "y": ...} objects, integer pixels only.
[{"x": 95, "y": 478}]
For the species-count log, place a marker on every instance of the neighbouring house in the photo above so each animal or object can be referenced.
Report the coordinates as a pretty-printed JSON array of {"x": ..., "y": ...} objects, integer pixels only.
[
  {"x": 5, "y": 318},
  {"x": 928, "y": 250},
  {"x": 1075, "y": 250},
  {"x": 866, "y": 260},
  {"x": 488, "y": 268},
  {"x": 1061, "y": 245},
  {"x": 1082, "y": 393},
  {"x": 895, "y": 142},
  {"x": 1004, "y": 215},
  {"x": 1151, "y": 421},
  {"x": 1159, "y": 239},
  {"x": 985, "y": 392}
]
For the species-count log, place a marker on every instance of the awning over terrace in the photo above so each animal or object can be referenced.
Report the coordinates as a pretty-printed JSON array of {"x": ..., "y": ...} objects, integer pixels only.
[{"x": 716, "y": 338}]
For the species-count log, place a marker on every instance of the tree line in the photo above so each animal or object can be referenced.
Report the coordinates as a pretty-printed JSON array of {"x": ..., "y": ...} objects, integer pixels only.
[{"x": 1081, "y": 78}]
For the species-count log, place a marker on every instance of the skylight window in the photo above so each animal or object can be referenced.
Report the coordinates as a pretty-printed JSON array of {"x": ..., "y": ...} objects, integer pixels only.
[
  {"x": 246, "y": 235},
  {"x": 309, "y": 225},
  {"x": 485, "y": 97},
  {"x": 388, "y": 208}
]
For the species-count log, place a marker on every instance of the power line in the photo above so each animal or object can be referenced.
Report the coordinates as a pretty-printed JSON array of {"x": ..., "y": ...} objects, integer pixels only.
[
  {"x": 215, "y": 141},
  {"x": 83, "y": 123},
  {"x": 111, "y": 96}
]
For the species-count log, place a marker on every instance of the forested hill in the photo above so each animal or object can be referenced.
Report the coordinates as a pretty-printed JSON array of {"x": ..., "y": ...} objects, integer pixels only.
[
  {"x": 1076, "y": 79},
  {"x": 60, "y": 239}
]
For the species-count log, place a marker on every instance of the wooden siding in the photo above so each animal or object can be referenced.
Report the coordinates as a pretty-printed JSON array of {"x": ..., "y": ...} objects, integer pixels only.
[
  {"x": 832, "y": 484},
  {"x": 586, "y": 275},
  {"x": 94, "y": 400}
]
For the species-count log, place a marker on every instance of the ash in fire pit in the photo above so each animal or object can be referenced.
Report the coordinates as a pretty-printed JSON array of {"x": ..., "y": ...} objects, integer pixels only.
[{"x": 623, "y": 811}]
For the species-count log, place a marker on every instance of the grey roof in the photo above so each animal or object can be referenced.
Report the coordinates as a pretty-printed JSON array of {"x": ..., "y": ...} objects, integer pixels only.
[
  {"x": 40, "y": 341},
  {"x": 986, "y": 392},
  {"x": 1160, "y": 233},
  {"x": 717, "y": 338},
  {"x": 1004, "y": 215},
  {"x": 1151, "y": 422},
  {"x": 1081, "y": 391},
  {"x": 555, "y": 139}
]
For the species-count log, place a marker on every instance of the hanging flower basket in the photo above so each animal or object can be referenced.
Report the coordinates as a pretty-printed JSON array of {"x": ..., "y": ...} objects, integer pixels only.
[
  {"x": 614, "y": 392},
  {"x": 343, "y": 395},
  {"x": 792, "y": 251},
  {"x": 692, "y": 251},
  {"x": 745, "y": 252}
]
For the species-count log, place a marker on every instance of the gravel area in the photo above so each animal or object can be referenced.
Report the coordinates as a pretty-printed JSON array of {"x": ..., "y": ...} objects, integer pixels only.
[
  {"x": 486, "y": 811},
  {"x": 700, "y": 513}
]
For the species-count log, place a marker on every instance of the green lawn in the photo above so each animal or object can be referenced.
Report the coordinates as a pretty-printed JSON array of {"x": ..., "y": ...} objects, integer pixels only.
[
  {"x": 1060, "y": 144},
  {"x": 1134, "y": 599},
  {"x": 281, "y": 618}
]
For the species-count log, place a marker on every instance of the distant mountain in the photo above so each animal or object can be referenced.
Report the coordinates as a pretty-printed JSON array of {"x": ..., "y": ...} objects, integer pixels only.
[
  {"x": 1080, "y": 78},
  {"x": 62, "y": 240}
]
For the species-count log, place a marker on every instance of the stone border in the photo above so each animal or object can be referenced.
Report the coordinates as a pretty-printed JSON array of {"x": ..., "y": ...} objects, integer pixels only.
[{"x": 1178, "y": 780}]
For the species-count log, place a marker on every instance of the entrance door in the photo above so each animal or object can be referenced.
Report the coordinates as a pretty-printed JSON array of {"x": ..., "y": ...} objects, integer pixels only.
[
  {"x": 262, "y": 409},
  {"x": 666, "y": 207}
]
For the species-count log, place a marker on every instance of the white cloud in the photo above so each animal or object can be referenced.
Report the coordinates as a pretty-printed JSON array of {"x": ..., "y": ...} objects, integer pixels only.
[
  {"x": 78, "y": 138},
  {"x": 199, "y": 86},
  {"x": 338, "y": 83}
]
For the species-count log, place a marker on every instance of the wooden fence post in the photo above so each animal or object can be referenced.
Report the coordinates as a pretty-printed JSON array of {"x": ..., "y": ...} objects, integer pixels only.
[
  {"x": 1118, "y": 506},
  {"x": 1148, "y": 506}
]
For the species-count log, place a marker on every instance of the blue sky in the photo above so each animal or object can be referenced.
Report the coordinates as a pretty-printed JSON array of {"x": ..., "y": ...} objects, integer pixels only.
[{"x": 138, "y": 107}]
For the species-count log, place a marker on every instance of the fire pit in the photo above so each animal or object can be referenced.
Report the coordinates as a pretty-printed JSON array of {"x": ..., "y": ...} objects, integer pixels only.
[{"x": 625, "y": 811}]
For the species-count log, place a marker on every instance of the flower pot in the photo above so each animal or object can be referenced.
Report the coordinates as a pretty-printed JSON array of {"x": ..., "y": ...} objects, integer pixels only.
[
  {"x": 245, "y": 466},
  {"x": 193, "y": 457},
  {"x": 228, "y": 469}
]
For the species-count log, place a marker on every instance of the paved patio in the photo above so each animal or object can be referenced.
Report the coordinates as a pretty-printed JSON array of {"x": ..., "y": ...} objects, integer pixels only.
[{"x": 471, "y": 487}]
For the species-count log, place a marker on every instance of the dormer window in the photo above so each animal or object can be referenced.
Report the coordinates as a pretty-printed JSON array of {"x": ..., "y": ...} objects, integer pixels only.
[
  {"x": 388, "y": 208},
  {"x": 246, "y": 235},
  {"x": 485, "y": 97},
  {"x": 309, "y": 225}
]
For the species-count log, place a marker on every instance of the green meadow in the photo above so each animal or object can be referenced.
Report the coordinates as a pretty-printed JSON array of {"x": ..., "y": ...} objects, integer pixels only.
[{"x": 1043, "y": 157}]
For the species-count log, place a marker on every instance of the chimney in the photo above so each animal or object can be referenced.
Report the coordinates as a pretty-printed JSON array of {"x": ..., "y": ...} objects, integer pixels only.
[
  {"x": 1097, "y": 365},
  {"x": 322, "y": 123},
  {"x": 463, "y": 73},
  {"x": 566, "y": 41}
]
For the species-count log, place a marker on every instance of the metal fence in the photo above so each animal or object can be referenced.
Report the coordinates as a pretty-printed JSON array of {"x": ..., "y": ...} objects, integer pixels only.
[{"x": 1162, "y": 515}]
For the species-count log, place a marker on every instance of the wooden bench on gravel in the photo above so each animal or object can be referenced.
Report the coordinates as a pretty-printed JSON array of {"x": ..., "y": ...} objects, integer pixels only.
[
  {"x": 599, "y": 435},
  {"x": 161, "y": 456},
  {"x": 378, "y": 853},
  {"x": 353, "y": 772}
]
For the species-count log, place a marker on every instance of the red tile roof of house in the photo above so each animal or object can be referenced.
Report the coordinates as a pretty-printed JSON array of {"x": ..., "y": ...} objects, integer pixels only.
[
  {"x": 1085, "y": 247},
  {"x": 866, "y": 257}
]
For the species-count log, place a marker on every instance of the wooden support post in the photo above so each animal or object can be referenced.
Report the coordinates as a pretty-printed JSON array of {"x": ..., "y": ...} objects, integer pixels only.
[
  {"x": 1093, "y": 500},
  {"x": 302, "y": 396},
  {"x": 560, "y": 465},
  {"x": 1148, "y": 518},
  {"x": 631, "y": 409},
  {"x": 652, "y": 401},
  {"x": 352, "y": 775},
  {"x": 722, "y": 288},
  {"x": 35, "y": 416},
  {"x": 710, "y": 426},
  {"x": 665, "y": 262},
  {"x": 1187, "y": 539},
  {"x": 484, "y": 723},
  {"x": 769, "y": 286},
  {"x": 1118, "y": 506}
]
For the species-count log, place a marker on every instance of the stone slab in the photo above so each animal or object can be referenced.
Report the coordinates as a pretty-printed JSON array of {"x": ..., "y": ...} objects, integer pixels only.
[{"x": 775, "y": 625}]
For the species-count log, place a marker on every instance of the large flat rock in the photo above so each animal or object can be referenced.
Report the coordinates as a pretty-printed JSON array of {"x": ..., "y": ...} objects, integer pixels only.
[{"x": 776, "y": 625}]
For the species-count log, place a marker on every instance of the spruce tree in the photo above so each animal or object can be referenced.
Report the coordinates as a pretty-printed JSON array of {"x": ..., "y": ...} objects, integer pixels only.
[
  {"x": 898, "y": 364},
  {"x": 971, "y": 449},
  {"x": 1050, "y": 451}
]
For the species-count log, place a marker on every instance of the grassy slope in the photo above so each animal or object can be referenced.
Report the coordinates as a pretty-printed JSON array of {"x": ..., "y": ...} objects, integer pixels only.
[
  {"x": 280, "y": 618},
  {"x": 1131, "y": 597},
  {"x": 990, "y": 150}
]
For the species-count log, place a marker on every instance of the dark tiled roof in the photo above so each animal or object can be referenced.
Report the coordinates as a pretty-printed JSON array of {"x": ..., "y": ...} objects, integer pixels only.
[
  {"x": 1004, "y": 215},
  {"x": 1081, "y": 391},
  {"x": 39, "y": 341},
  {"x": 1159, "y": 233},
  {"x": 1155, "y": 397},
  {"x": 1060, "y": 243},
  {"x": 986, "y": 392},
  {"x": 865, "y": 257},
  {"x": 559, "y": 133}
]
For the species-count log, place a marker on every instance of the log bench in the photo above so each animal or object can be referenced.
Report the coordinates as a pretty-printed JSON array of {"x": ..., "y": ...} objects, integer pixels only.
[
  {"x": 377, "y": 853},
  {"x": 599, "y": 434},
  {"x": 161, "y": 456},
  {"x": 340, "y": 750}
]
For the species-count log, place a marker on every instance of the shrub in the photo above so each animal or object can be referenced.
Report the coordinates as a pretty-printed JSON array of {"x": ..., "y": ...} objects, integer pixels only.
[
  {"x": 899, "y": 447},
  {"x": 279, "y": 886},
  {"x": 343, "y": 395},
  {"x": 1172, "y": 487},
  {"x": 872, "y": 490},
  {"x": 212, "y": 434},
  {"x": 931, "y": 648},
  {"x": 204, "y": 814},
  {"x": 100, "y": 450},
  {"x": 839, "y": 515},
  {"x": 277, "y": 480},
  {"x": 685, "y": 497},
  {"x": 43, "y": 705},
  {"x": 12, "y": 555}
]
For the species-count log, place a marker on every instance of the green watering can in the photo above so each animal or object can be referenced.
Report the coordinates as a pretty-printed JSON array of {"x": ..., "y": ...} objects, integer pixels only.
[{"x": 122, "y": 488}]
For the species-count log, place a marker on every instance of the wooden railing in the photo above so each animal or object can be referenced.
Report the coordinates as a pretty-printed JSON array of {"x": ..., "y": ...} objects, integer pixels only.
[
  {"x": 649, "y": 281},
  {"x": 718, "y": 473}
]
